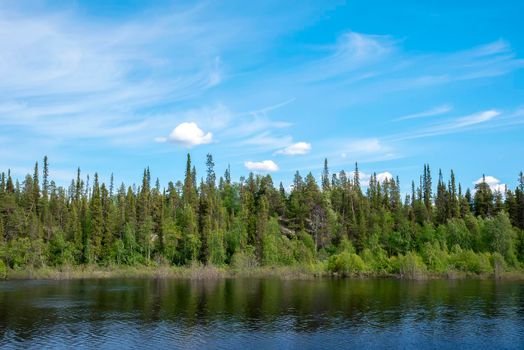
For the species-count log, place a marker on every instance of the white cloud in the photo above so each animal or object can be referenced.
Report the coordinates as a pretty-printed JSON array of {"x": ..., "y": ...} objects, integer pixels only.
[
  {"x": 381, "y": 177},
  {"x": 476, "y": 118},
  {"x": 265, "y": 165},
  {"x": 298, "y": 148},
  {"x": 266, "y": 140},
  {"x": 464, "y": 123},
  {"x": 490, "y": 180},
  {"x": 493, "y": 183},
  {"x": 188, "y": 135},
  {"x": 499, "y": 187},
  {"x": 429, "y": 113},
  {"x": 353, "y": 51}
]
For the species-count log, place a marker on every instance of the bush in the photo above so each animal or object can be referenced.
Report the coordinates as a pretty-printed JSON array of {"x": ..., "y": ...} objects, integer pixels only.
[
  {"x": 3, "y": 270},
  {"x": 16, "y": 252},
  {"x": 302, "y": 254},
  {"x": 498, "y": 263},
  {"x": 411, "y": 266},
  {"x": 217, "y": 252},
  {"x": 458, "y": 233},
  {"x": 61, "y": 252},
  {"x": 469, "y": 261},
  {"x": 346, "y": 263},
  {"x": 434, "y": 257},
  {"x": 500, "y": 237},
  {"x": 244, "y": 259},
  {"x": 376, "y": 260}
]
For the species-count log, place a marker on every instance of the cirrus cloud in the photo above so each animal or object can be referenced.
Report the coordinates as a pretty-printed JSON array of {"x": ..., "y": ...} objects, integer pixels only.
[{"x": 265, "y": 166}]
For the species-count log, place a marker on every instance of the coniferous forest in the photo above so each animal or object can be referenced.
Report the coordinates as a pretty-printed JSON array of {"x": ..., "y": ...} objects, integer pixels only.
[{"x": 337, "y": 225}]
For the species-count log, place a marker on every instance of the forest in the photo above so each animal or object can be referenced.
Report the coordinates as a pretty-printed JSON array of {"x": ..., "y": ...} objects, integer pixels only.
[{"x": 334, "y": 226}]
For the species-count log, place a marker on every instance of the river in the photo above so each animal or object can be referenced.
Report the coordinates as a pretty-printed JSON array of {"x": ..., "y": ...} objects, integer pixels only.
[{"x": 262, "y": 314}]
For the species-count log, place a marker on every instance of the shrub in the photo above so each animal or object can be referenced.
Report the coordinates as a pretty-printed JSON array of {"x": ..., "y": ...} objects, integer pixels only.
[
  {"x": 376, "y": 260},
  {"x": 500, "y": 237},
  {"x": 469, "y": 261},
  {"x": 346, "y": 263},
  {"x": 61, "y": 252},
  {"x": 3, "y": 270},
  {"x": 217, "y": 252},
  {"x": 244, "y": 259},
  {"x": 411, "y": 266},
  {"x": 434, "y": 257},
  {"x": 498, "y": 263},
  {"x": 301, "y": 252}
]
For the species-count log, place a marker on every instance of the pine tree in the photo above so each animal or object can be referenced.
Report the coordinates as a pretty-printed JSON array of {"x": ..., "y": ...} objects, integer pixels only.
[
  {"x": 96, "y": 222},
  {"x": 483, "y": 200},
  {"x": 36, "y": 189},
  {"x": 45, "y": 178},
  {"x": 325, "y": 177}
]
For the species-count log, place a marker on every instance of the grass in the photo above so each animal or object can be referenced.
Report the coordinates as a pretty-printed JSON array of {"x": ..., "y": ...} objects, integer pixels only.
[{"x": 200, "y": 272}]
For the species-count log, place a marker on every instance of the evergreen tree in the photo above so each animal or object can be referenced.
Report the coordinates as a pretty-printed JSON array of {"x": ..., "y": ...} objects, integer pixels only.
[
  {"x": 252, "y": 220},
  {"x": 325, "y": 177}
]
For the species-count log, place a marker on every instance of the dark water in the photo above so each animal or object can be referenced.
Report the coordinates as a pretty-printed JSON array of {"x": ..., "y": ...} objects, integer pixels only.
[{"x": 265, "y": 314}]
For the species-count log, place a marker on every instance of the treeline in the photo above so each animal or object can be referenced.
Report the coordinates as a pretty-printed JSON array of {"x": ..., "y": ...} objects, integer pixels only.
[{"x": 337, "y": 225}]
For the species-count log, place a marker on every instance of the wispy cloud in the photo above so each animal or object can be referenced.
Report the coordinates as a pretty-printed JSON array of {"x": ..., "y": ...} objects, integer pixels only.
[
  {"x": 428, "y": 113},
  {"x": 459, "y": 124},
  {"x": 67, "y": 78}
]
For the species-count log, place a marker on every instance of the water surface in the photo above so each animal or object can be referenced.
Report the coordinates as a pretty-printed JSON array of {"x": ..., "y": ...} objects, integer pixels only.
[{"x": 261, "y": 313}]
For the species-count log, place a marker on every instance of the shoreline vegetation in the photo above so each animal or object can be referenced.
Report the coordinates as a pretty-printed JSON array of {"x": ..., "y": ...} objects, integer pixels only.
[
  {"x": 209, "y": 227},
  {"x": 214, "y": 273}
]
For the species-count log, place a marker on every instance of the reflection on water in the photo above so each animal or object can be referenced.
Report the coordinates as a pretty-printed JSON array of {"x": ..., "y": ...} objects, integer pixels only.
[{"x": 261, "y": 313}]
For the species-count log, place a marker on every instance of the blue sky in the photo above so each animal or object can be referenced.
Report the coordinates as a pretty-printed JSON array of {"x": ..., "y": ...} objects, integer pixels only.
[{"x": 265, "y": 86}]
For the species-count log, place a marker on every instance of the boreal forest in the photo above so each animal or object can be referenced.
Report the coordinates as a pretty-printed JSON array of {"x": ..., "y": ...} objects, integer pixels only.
[{"x": 336, "y": 225}]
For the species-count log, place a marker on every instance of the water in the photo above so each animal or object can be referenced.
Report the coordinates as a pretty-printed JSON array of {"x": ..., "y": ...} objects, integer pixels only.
[{"x": 261, "y": 313}]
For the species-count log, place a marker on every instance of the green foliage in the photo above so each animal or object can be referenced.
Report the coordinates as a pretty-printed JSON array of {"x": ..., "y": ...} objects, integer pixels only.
[
  {"x": 217, "y": 251},
  {"x": 3, "y": 270},
  {"x": 337, "y": 226},
  {"x": 346, "y": 263},
  {"x": 17, "y": 252},
  {"x": 377, "y": 260},
  {"x": 435, "y": 258},
  {"x": 458, "y": 234},
  {"x": 276, "y": 249},
  {"x": 411, "y": 266},
  {"x": 500, "y": 237},
  {"x": 244, "y": 260},
  {"x": 498, "y": 263},
  {"x": 61, "y": 252},
  {"x": 469, "y": 261}
]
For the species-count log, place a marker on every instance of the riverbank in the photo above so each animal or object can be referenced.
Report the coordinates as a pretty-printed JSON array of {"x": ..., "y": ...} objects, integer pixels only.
[{"x": 213, "y": 272}]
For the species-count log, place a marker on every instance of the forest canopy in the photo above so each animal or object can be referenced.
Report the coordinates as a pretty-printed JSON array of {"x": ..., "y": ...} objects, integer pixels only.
[{"x": 339, "y": 224}]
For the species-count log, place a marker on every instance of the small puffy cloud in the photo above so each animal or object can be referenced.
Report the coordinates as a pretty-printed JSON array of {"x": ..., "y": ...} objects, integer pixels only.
[
  {"x": 499, "y": 188},
  {"x": 493, "y": 183},
  {"x": 298, "y": 148},
  {"x": 265, "y": 165},
  {"x": 365, "y": 177},
  {"x": 187, "y": 135},
  {"x": 490, "y": 180},
  {"x": 381, "y": 177}
]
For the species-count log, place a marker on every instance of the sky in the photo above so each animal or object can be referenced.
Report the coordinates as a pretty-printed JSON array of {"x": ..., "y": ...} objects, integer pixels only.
[{"x": 269, "y": 87}]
